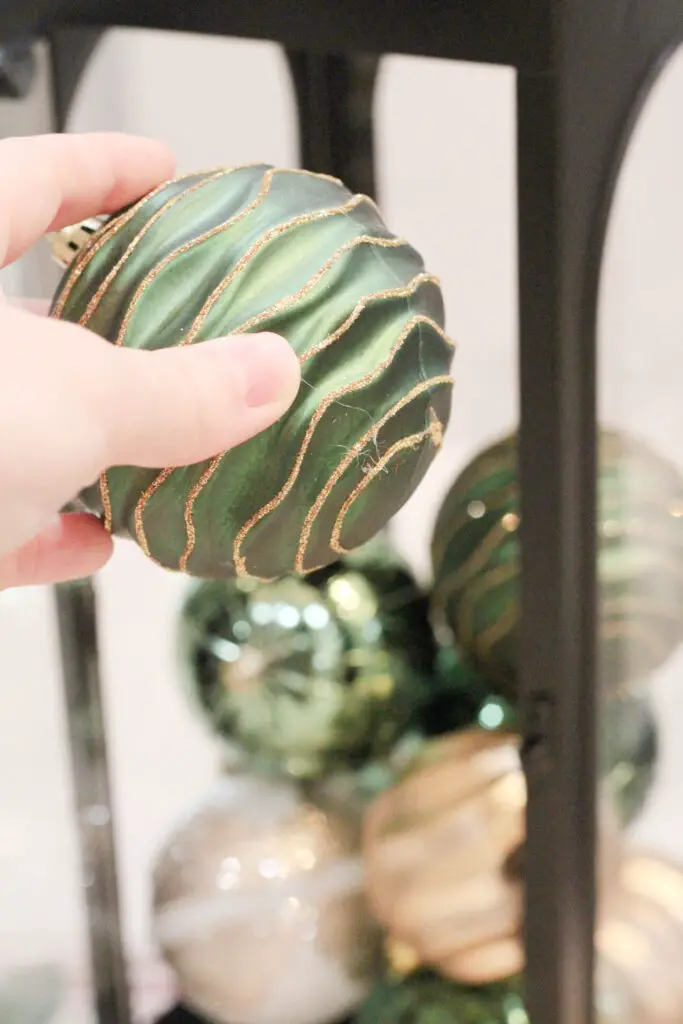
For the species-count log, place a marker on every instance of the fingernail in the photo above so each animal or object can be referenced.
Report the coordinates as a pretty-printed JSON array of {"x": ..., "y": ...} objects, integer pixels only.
[{"x": 269, "y": 365}]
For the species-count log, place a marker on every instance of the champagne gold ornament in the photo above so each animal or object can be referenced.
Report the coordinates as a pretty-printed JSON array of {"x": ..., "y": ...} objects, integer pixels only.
[
  {"x": 249, "y": 249},
  {"x": 443, "y": 858},
  {"x": 310, "y": 676},
  {"x": 475, "y": 555},
  {"x": 259, "y": 905},
  {"x": 435, "y": 848}
]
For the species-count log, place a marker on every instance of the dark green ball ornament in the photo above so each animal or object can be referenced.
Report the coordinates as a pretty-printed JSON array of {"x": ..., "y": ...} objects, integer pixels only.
[
  {"x": 308, "y": 676},
  {"x": 255, "y": 249},
  {"x": 475, "y": 556},
  {"x": 425, "y": 998}
]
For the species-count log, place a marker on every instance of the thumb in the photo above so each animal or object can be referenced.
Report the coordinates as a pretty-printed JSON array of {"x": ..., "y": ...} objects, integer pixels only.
[{"x": 178, "y": 406}]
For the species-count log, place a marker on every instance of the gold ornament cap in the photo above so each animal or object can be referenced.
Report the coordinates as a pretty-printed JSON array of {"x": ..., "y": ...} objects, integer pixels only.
[{"x": 70, "y": 241}]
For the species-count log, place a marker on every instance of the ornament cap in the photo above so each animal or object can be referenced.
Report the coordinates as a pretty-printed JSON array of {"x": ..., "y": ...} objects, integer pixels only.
[{"x": 70, "y": 241}]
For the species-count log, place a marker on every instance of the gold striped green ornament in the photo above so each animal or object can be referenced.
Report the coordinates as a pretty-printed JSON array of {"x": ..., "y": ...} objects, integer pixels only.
[
  {"x": 475, "y": 556},
  {"x": 253, "y": 249}
]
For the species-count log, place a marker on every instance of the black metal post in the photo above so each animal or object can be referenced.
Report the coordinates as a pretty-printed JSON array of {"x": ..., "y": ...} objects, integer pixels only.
[
  {"x": 573, "y": 124},
  {"x": 77, "y": 619},
  {"x": 335, "y": 94}
]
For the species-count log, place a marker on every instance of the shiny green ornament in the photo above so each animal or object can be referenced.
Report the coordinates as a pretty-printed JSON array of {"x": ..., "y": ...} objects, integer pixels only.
[
  {"x": 475, "y": 556},
  {"x": 425, "y": 998},
  {"x": 307, "y": 676},
  {"x": 629, "y": 747},
  {"x": 254, "y": 249}
]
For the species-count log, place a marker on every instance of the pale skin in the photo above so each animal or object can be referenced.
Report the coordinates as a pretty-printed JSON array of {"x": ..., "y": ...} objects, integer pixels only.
[{"x": 71, "y": 404}]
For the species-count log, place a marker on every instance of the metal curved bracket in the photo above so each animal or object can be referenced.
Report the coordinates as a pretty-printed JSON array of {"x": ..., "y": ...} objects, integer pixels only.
[{"x": 71, "y": 50}]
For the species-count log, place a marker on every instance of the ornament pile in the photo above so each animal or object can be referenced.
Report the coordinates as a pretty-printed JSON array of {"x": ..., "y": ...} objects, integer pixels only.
[{"x": 361, "y": 854}]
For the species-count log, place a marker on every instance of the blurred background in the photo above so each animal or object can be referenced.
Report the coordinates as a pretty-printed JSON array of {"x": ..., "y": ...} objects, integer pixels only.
[{"x": 227, "y": 102}]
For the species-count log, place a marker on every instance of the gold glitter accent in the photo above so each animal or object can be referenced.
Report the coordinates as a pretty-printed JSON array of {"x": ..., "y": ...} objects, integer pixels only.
[
  {"x": 223, "y": 226},
  {"x": 290, "y": 300},
  {"x": 280, "y": 229},
  {"x": 111, "y": 228},
  {"x": 355, "y": 451},
  {"x": 189, "y": 509},
  {"x": 433, "y": 431},
  {"x": 282, "y": 303},
  {"x": 133, "y": 244},
  {"x": 397, "y": 293},
  {"x": 357, "y": 385},
  {"x": 106, "y": 502},
  {"x": 140, "y": 508},
  {"x": 473, "y": 564}
]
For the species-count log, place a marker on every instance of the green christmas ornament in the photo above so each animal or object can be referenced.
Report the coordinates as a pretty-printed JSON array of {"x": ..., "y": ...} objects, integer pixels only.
[
  {"x": 475, "y": 555},
  {"x": 461, "y": 697},
  {"x": 629, "y": 748},
  {"x": 253, "y": 249},
  {"x": 305, "y": 676},
  {"x": 426, "y": 998}
]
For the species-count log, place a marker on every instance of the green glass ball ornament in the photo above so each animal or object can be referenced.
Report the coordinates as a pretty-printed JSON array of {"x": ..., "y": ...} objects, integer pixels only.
[
  {"x": 425, "y": 998},
  {"x": 629, "y": 748},
  {"x": 253, "y": 249},
  {"x": 307, "y": 676},
  {"x": 475, "y": 557}
]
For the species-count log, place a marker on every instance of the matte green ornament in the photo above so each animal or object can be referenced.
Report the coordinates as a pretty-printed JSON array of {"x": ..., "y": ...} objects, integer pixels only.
[
  {"x": 425, "y": 998},
  {"x": 475, "y": 556},
  {"x": 254, "y": 249},
  {"x": 307, "y": 676}
]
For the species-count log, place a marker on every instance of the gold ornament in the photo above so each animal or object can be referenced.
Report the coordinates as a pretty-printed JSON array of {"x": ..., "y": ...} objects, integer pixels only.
[
  {"x": 435, "y": 847},
  {"x": 440, "y": 849},
  {"x": 640, "y": 944},
  {"x": 259, "y": 905}
]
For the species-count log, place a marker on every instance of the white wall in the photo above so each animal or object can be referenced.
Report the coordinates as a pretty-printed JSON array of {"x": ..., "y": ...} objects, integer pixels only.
[{"x": 446, "y": 173}]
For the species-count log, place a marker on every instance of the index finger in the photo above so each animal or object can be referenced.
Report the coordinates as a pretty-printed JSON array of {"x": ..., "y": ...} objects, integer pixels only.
[{"x": 50, "y": 181}]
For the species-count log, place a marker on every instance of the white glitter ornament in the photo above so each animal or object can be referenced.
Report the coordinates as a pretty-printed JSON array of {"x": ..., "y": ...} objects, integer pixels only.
[{"x": 259, "y": 905}]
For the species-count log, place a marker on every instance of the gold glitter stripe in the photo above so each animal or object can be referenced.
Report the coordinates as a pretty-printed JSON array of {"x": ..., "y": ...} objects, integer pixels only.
[
  {"x": 330, "y": 399},
  {"x": 133, "y": 244},
  {"x": 354, "y": 453},
  {"x": 389, "y": 293},
  {"x": 111, "y": 228},
  {"x": 106, "y": 502},
  {"x": 218, "y": 229},
  {"x": 291, "y": 300},
  {"x": 190, "y": 531},
  {"x": 433, "y": 431},
  {"x": 280, "y": 229},
  {"x": 473, "y": 564},
  {"x": 489, "y": 580}
]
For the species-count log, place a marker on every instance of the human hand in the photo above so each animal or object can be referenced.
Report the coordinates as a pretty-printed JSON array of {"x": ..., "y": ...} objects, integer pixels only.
[{"x": 71, "y": 404}]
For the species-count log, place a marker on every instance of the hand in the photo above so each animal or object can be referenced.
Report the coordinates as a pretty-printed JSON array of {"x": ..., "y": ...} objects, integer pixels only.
[{"x": 71, "y": 404}]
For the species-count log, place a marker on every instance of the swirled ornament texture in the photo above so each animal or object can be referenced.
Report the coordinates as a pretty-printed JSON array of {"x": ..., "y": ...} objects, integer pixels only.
[
  {"x": 475, "y": 555},
  {"x": 253, "y": 249}
]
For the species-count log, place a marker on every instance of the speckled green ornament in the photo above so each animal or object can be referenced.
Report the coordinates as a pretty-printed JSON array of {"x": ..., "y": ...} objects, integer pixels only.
[
  {"x": 254, "y": 249},
  {"x": 475, "y": 555},
  {"x": 425, "y": 998},
  {"x": 305, "y": 676},
  {"x": 628, "y": 747}
]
